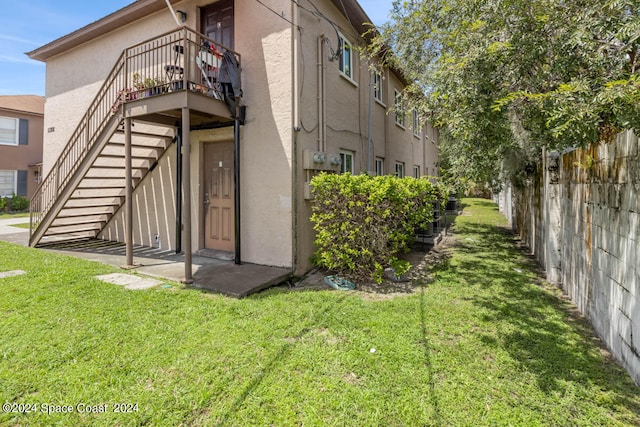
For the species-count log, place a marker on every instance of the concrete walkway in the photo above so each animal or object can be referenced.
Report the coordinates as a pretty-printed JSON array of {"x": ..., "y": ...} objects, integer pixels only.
[
  {"x": 211, "y": 274},
  {"x": 8, "y": 233}
]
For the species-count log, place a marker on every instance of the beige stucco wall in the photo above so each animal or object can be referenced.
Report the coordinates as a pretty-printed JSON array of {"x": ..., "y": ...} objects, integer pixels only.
[
  {"x": 270, "y": 172},
  {"x": 347, "y": 110},
  {"x": 264, "y": 41}
]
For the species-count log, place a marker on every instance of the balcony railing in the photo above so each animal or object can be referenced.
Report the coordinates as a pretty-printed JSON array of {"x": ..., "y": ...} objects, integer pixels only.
[{"x": 179, "y": 60}]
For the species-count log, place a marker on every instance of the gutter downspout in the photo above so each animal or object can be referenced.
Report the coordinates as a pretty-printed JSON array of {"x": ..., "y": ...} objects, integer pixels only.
[
  {"x": 369, "y": 121},
  {"x": 324, "y": 97},
  {"x": 320, "y": 65},
  {"x": 294, "y": 141},
  {"x": 423, "y": 131},
  {"x": 173, "y": 13},
  {"x": 387, "y": 117}
]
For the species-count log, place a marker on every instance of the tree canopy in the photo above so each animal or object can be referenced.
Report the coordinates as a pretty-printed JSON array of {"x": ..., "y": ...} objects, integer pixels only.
[{"x": 505, "y": 78}]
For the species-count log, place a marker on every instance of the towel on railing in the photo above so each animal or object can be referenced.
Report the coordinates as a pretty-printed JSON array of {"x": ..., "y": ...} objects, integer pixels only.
[{"x": 229, "y": 78}]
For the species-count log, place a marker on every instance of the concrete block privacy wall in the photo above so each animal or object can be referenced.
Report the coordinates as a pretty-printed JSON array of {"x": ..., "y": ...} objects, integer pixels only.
[{"x": 580, "y": 216}]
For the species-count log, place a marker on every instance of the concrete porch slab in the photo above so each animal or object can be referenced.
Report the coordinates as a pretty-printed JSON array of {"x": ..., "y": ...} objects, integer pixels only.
[
  {"x": 239, "y": 280},
  {"x": 210, "y": 274}
]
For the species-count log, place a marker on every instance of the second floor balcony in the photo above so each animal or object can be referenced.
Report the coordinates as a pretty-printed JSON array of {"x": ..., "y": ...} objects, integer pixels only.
[{"x": 179, "y": 69}]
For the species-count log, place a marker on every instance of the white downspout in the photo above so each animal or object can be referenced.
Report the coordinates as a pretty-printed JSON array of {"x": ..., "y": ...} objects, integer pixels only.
[
  {"x": 324, "y": 97},
  {"x": 320, "y": 65},
  {"x": 296, "y": 71},
  {"x": 369, "y": 121},
  {"x": 294, "y": 139},
  {"x": 173, "y": 13}
]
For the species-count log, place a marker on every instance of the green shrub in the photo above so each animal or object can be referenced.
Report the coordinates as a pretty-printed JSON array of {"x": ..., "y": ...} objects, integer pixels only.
[
  {"x": 19, "y": 203},
  {"x": 13, "y": 203},
  {"x": 443, "y": 191},
  {"x": 363, "y": 223}
]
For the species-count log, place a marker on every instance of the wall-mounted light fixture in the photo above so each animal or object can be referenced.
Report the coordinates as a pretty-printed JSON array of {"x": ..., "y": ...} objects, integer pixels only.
[{"x": 182, "y": 16}]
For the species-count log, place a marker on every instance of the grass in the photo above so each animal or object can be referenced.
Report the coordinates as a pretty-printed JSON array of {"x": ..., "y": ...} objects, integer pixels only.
[
  {"x": 482, "y": 343},
  {"x": 21, "y": 225},
  {"x": 5, "y": 215}
]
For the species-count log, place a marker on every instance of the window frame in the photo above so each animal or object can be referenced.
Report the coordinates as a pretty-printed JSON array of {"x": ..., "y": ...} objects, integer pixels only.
[
  {"x": 16, "y": 137},
  {"x": 343, "y": 155},
  {"x": 399, "y": 108},
  {"x": 400, "y": 170},
  {"x": 416, "y": 171},
  {"x": 15, "y": 183},
  {"x": 377, "y": 87},
  {"x": 345, "y": 44},
  {"x": 379, "y": 170},
  {"x": 415, "y": 119}
]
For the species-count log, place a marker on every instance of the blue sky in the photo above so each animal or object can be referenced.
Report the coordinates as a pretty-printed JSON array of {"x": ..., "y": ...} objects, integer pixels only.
[{"x": 28, "y": 24}]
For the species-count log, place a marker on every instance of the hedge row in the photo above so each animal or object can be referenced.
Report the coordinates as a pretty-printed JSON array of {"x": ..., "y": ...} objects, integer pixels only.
[
  {"x": 364, "y": 223},
  {"x": 13, "y": 203}
]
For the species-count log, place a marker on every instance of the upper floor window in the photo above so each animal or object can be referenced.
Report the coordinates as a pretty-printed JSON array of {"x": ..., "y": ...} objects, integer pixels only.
[
  {"x": 379, "y": 166},
  {"x": 346, "y": 161},
  {"x": 346, "y": 57},
  {"x": 377, "y": 86},
  {"x": 416, "y": 122},
  {"x": 9, "y": 131},
  {"x": 399, "y": 108}
]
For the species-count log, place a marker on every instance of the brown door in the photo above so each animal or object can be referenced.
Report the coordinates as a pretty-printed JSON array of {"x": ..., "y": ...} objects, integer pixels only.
[
  {"x": 218, "y": 197},
  {"x": 216, "y": 22}
]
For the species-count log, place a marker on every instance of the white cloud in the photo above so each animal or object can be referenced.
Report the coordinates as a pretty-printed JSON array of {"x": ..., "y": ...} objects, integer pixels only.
[
  {"x": 19, "y": 60},
  {"x": 19, "y": 40}
]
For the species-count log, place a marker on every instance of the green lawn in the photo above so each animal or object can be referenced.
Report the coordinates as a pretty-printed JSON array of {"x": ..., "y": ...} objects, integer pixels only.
[
  {"x": 480, "y": 344},
  {"x": 5, "y": 215},
  {"x": 21, "y": 225}
]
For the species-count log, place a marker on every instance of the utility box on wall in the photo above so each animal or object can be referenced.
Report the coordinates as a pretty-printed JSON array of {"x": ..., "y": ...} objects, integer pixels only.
[
  {"x": 320, "y": 161},
  {"x": 317, "y": 161}
]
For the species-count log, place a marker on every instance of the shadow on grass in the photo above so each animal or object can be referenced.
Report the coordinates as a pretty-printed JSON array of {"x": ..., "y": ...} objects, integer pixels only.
[
  {"x": 483, "y": 203},
  {"x": 433, "y": 397},
  {"x": 540, "y": 327},
  {"x": 279, "y": 357}
]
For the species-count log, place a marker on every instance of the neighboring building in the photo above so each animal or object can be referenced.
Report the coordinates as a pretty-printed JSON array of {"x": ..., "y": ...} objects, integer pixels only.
[
  {"x": 306, "y": 92},
  {"x": 21, "y": 121}
]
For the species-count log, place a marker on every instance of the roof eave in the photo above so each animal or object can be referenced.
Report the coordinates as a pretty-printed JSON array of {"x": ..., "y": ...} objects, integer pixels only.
[
  {"x": 128, "y": 14},
  {"x": 362, "y": 23}
]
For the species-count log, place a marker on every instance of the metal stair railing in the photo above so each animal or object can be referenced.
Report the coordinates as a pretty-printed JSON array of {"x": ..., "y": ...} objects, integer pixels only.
[
  {"x": 159, "y": 65},
  {"x": 103, "y": 107}
]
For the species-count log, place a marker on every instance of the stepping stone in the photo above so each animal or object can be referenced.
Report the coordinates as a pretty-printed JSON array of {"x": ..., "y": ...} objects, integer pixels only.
[
  {"x": 12, "y": 273},
  {"x": 129, "y": 281}
]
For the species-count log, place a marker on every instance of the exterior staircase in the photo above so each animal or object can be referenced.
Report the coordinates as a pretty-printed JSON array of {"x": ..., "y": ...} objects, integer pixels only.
[
  {"x": 97, "y": 193},
  {"x": 86, "y": 185}
]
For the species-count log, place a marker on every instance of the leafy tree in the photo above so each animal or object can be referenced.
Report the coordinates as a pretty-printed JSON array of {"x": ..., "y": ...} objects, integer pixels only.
[{"x": 506, "y": 78}]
